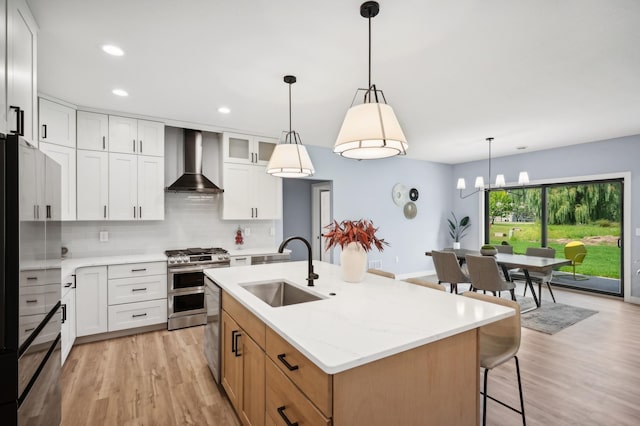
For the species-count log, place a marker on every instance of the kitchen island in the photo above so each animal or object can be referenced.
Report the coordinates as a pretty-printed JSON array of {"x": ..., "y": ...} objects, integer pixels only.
[{"x": 376, "y": 352}]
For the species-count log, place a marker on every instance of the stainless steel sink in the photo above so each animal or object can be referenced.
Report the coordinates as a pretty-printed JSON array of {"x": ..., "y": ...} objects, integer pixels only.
[{"x": 279, "y": 293}]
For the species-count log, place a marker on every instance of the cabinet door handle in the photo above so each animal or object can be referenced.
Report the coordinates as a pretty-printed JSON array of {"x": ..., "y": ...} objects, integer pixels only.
[
  {"x": 64, "y": 313},
  {"x": 140, "y": 212},
  {"x": 48, "y": 212},
  {"x": 235, "y": 335},
  {"x": 104, "y": 142},
  {"x": 21, "y": 122},
  {"x": 284, "y": 416},
  {"x": 105, "y": 212},
  {"x": 38, "y": 211},
  {"x": 44, "y": 131},
  {"x": 139, "y": 289},
  {"x": 139, "y": 315},
  {"x": 286, "y": 364},
  {"x": 17, "y": 110},
  {"x": 134, "y": 212},
  {"x": 256, "y": 212},
  {"x": 134, "y": 145},
  {"x": 35, "y": 214},
  {"x": 140, "y": 146},
  {"x": 139, "y": 270}
]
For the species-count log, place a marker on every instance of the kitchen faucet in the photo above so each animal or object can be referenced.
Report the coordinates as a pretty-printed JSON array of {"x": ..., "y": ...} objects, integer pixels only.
[{"x": 312, "y": 276}]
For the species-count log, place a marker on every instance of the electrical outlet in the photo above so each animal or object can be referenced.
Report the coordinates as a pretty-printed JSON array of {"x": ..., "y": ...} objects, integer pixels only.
[
  {"x": 272, "y": 231},
  {"x": 104, "y": 236},
  {"x": 375, "y": 264},
  {"x": 637, "y": 232},
  {"x": 397, "y": 259},
  {"x": 247, "y": 231}
]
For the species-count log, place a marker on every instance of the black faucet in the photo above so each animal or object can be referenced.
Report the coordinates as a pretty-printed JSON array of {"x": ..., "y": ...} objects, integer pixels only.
[{"x": 312, "y": 276}]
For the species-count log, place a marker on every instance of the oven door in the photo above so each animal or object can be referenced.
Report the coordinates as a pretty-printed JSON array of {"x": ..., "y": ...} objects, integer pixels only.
[
  {"x": 185, "y": 279},
  {"x": 186, "y": 303}
]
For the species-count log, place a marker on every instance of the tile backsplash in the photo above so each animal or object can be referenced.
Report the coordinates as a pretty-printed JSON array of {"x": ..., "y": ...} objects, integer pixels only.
[{"x": 191, "y": 220}]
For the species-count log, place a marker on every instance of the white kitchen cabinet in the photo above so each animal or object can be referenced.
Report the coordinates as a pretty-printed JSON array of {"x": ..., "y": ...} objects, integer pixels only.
[
  {"x": 136, "y": 187},
  {"x": 92, "y": 131},
  {"x": 131, "y": 136},
  {"x": 68, "y": 330},
  {"x": 244, "y": 149},
  {"x": 250, "y": 193},
  {"x": 91, "y": 300},
  {"x": 66, "y": 158},
  {"x": 92, "y": 185},
  {"x": 21, "y": 70},
  {"x": 150, "y": 188},
  {"x": 3, "y": 66},
  {"x": 31, "y": 191},
  {"x": 239, "y": 261},
  {"x": 57, "y": 123}
]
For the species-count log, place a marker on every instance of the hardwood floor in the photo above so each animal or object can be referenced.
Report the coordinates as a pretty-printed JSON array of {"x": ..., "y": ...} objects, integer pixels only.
[
  {"x": 587, "y": 374},
  {"x": 156, "y": 378}
]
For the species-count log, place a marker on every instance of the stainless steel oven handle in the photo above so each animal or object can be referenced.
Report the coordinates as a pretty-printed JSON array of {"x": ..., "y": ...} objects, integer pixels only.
[{"x": 181, "y": 269}]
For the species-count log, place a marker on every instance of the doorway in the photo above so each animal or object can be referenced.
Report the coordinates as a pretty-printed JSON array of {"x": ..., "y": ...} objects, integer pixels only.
[
  {"x": 321, "y": 217},
  {"x": 585, "y": 215}
]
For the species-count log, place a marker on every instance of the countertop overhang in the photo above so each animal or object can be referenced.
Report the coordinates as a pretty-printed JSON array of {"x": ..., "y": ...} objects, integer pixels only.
[{"x": 362, "y": 322}]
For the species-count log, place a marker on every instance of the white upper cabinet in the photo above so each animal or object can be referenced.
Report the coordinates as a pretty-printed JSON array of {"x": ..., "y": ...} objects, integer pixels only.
[
  {"x": 31, "y": 191},
  {"x": 57, "y": 123},
  {"x": 150, "y": 188},
  {"x": 21, "y": 70},
  {"x": 3, "y": 66},
  {"x": 66, "y": 158},
  {"x": 238, "y": 192},
  {"x": 93, "y": 131},
  {"x": 267, "y": 194},
  {"x": 131, "y": 136},
  {"x": 123, "y": 186},
  {"x": 243, "y": 149},
  {"x": 93, "y": 185}
]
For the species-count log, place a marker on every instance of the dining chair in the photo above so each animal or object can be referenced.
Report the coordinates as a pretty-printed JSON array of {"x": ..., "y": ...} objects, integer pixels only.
[
  {"x": 498, "y": 343},
  {"x": 537, "y": 277},
  {"x": 382, "y": 273},
  {"x": 448, "y": 269},
  {"x": 425, "y": 283},
  {"x": 486, "y": 276},
  {"x": 575, "y": 251}
]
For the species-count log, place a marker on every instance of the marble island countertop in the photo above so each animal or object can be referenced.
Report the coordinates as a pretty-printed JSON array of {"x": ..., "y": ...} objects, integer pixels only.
[{"x": 362, "y": 322}]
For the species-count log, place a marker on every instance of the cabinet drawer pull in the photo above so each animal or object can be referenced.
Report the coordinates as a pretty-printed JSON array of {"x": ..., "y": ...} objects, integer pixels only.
[
  {"x": 139, "y": 289},
  {"x": 241, "y": 258},
  {"x": 32, "y": 301},
  {"x": 139, "y": 315},
  {"x": 67, "y": 285},
  {"x": 139, "y": 270},
  {"x": 285, "y": 418},
  {"x": 286, "y": 364},
  {"x": 32, "y": 278},
  {"x": 29, "y": 329},
  {"x": 44, "y": 131}
]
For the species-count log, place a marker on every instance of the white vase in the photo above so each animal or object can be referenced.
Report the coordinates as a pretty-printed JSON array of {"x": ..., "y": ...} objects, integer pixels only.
[
  {"x": 353, "y": 262},
  {"x": 456, "y": 245}
]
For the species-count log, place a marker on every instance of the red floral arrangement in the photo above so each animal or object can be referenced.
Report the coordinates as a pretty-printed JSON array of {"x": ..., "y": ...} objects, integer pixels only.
[{"x": 348, "y": 231}]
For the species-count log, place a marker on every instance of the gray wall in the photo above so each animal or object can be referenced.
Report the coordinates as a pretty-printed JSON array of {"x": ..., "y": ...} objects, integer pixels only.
[
  {"x": 603, "y": 157},
  {"x": 296, "y": 214}
]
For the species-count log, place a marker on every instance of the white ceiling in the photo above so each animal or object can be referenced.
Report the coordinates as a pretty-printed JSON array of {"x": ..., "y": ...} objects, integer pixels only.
[{"x": 539, "y": 74}]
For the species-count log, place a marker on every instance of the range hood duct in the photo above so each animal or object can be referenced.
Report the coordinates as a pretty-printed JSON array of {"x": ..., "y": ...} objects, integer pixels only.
[{"x": 193, "y": 180}]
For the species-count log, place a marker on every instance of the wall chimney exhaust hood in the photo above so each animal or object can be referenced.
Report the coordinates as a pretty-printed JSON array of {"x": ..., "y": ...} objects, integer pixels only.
[{"x": 193, "y": 180}]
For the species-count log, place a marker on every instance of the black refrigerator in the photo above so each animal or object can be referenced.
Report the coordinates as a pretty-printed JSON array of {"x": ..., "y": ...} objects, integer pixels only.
[{"x": 30, "y": 285}]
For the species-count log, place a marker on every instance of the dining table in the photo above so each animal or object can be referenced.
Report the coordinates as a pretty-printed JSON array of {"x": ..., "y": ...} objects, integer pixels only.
[{"x": 511, "y": 261}]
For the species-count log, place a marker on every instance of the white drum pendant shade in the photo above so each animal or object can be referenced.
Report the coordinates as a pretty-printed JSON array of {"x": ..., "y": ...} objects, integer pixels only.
[
  {"x": 290, "y": 160},
  {"x": 370, "y": 130}
]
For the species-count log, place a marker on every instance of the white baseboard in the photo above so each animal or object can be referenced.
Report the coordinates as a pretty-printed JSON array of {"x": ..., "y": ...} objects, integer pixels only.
[{"x": 632, "y": 299}]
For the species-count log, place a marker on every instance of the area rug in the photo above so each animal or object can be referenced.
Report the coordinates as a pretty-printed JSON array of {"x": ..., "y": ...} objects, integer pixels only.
[{"x": 553, "y": 317}]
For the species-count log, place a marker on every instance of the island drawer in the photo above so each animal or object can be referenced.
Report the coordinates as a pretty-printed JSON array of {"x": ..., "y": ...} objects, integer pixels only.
[
  {"x": 245, "y": 319},
  {"x": 137, "y": 269},
  {"x": 315, "y": 383},
  {"x": 284, "y": 400}
]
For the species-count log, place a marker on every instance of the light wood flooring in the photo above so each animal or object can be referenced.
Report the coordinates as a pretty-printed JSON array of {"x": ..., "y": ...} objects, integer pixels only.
[{"x": 586, "y": 374}]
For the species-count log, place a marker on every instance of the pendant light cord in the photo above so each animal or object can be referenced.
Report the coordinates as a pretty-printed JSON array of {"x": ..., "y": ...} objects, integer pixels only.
[
  {"x": 289, "y": 108},
  {"x": 369, "y": 58}
]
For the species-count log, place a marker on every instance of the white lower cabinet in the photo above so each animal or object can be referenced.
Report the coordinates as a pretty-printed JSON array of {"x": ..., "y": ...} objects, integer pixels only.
[
  {"x": 138, "y": 314},
  {"x": 68, "y": 323},
  {"x": 91, "y": 300}
]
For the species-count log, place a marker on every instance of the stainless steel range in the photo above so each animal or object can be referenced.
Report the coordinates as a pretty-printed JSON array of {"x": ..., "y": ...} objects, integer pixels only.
[{"x": 185, "y": 284}]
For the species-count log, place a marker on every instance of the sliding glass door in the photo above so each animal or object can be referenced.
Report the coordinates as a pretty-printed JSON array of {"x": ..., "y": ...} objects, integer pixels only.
[{"x": 581, "y": 220}]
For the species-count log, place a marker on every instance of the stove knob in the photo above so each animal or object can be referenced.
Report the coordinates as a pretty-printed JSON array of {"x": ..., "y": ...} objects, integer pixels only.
[{"x": 170, "y": 260}]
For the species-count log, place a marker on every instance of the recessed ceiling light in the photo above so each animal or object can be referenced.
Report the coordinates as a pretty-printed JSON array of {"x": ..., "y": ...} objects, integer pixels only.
[
  {"x": 119, "y": 92},
  {"x": 224, "y": 110},
  {"x": 113, "y": 50}
]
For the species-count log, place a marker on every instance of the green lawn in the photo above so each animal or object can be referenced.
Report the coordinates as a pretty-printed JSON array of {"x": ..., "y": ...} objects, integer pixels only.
[{"x": 603, "y": 257}]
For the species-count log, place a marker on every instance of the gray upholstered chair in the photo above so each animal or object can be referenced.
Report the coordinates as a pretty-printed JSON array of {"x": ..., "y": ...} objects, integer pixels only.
[
  {"x": 537, "y": 277},
  {"x": 448, "y": 269},
  {"x": 486, "y": 276},
  {"x": 425, "y": 283},
  {"x": 499, "y": 342},
  {"x": 504, "y": 248},
  {"x": 382, "y": 273}
]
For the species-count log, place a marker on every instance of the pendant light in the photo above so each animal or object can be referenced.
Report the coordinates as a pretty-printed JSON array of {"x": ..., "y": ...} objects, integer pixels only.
[
  {"x": 290, "y": 158},
  {"x": 370, "y": 130},
  {"x": 523, "y": 179}
]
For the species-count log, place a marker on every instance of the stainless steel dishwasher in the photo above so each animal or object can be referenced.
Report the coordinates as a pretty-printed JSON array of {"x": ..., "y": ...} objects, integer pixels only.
[
  {"x": 212, "y": 335},
  {"x": 270, "y": 258}
]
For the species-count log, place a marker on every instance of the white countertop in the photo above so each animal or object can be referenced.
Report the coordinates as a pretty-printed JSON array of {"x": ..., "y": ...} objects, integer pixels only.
[
  {"x": 69, "y": 265},
  {"x": 364, "y": 321}
]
